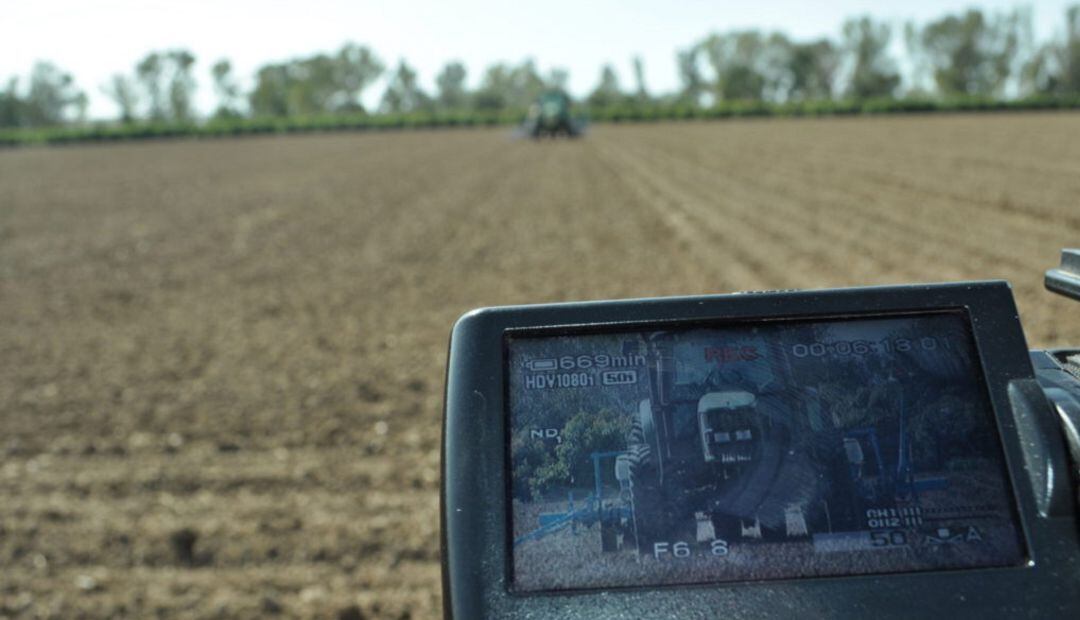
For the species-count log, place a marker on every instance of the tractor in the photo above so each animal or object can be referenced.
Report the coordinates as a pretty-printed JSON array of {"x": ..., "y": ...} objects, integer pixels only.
[
  {"x": 710, "y": 453},
  {"x": 551, "y": 115},
  {"x": 729, "y": 447}
]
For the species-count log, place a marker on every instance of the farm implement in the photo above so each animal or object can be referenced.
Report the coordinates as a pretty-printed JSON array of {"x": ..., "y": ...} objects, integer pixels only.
[{"x": 586, "y": 511}]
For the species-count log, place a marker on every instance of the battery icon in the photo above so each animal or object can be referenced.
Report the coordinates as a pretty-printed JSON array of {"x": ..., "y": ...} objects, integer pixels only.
[{"x": 542, "y": 365}]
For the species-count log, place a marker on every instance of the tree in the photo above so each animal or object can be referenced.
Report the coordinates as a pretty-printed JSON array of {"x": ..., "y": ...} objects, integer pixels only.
[
  {"x": 1055, "y": 68},
  {"x": 1070, "y": 53},
  {"x": 747, "y": 65},
  {"x": 525, "y": 84},
  {"x": 607, "y": 92},
  {"x": 692, "y": 84},
  {"x": 51, "y": 96},
  {"x": 12, "y": 107},
  {"x": 181, "y": 85},
  {"x": 403, "y": 94},
  {"x": 313, "y": 88},
  {"x": 270, "y": 97},
  {"x": 451, "y": 85},
  {"x": 969, "y": 54},
  {"x": 494, "y": 92},
  {"x": 639, "y": 80},
  {"x": 811, "y": 71},
  {"x": 356, "y": 67},
  {"x": 558, "y": 78},
  {"x": 125, "y": 94},
  {"x": 149, "y": 72},
  {"x": 508, "y": 87},
  {"x": 167, "y": 84},
  {"x": 571, "y": 465},
  {"x": 228, "y": 92},
  {"x": 873, "y": 72},
  {"x": 318, "y": 84},
  {"x": 81, "y": 103}
]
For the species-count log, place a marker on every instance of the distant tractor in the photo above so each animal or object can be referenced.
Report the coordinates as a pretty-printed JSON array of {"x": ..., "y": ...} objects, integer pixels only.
[{"x": 552, "y": 115}]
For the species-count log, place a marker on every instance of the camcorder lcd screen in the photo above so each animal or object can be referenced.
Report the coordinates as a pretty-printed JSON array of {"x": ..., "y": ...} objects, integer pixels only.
[{"x": 754, "y": 450}]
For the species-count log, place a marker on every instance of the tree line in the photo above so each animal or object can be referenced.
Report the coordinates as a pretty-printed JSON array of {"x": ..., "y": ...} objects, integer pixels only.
[{"x": 969, "y": 54}]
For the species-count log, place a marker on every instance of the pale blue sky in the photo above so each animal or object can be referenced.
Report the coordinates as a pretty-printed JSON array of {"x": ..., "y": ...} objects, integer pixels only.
[{"x": 96, "y": 39}]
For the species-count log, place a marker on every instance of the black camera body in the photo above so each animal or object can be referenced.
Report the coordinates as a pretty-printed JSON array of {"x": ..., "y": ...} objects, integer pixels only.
[{"x": 883, "y": 451}]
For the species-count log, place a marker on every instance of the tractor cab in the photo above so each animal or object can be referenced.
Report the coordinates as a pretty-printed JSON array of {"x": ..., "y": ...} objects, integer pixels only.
[
  {"x": 702, "y": 422},
  {"x": 728, "y": 427},
  {"x": 553, "y": 105}
]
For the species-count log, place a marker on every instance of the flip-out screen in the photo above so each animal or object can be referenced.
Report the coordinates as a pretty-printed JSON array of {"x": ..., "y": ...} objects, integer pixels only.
[{"x": 760, "y": 450}]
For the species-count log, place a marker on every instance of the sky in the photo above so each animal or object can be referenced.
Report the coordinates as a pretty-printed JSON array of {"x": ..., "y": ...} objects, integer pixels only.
[{"x": 94, "y": 40}]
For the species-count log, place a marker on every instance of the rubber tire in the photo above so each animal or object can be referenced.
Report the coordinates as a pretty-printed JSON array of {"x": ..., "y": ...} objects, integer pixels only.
[{"x": 647, "y": 502}]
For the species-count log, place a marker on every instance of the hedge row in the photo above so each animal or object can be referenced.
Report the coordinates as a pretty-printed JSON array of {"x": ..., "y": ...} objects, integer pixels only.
[
  {"x": 245, "y": 126},
  {"x": 618, "y": 114},
  {"x": 830, "y": 108}
]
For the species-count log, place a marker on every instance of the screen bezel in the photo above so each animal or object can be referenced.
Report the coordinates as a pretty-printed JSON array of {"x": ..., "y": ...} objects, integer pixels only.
[
  {"x": 745, "y": 322},
  {"x": 475, "y": 475}
]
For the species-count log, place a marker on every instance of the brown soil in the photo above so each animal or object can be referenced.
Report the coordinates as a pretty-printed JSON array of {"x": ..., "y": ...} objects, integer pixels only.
[{"x": 221, "y": 361}]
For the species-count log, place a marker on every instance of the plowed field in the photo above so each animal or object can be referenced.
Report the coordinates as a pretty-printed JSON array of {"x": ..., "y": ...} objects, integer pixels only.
[{"x": 221, "y": 361}]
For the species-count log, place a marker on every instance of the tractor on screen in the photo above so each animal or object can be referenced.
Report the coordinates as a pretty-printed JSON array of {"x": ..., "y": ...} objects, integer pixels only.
[
  {"x": 709, "y": 454},
  {"x": 551, "y": 115}
]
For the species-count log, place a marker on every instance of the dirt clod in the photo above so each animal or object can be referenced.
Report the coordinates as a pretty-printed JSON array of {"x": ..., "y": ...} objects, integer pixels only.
[
  {"x": 183, "y": 543},
  {"x": 271, "y": 606}
]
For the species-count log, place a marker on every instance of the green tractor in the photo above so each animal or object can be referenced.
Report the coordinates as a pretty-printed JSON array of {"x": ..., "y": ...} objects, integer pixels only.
[{"x": 551, "y": 115}]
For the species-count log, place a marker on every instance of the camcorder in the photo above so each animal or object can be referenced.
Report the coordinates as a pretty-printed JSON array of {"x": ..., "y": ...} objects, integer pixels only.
[{"x": 868, "y": 452}]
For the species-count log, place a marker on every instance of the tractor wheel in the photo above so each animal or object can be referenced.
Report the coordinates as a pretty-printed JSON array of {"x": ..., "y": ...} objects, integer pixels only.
[
  {"x": 646, "y": 497},
  {"x": 636, "y": 435},
  {"x": 610, "y": 540}
]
